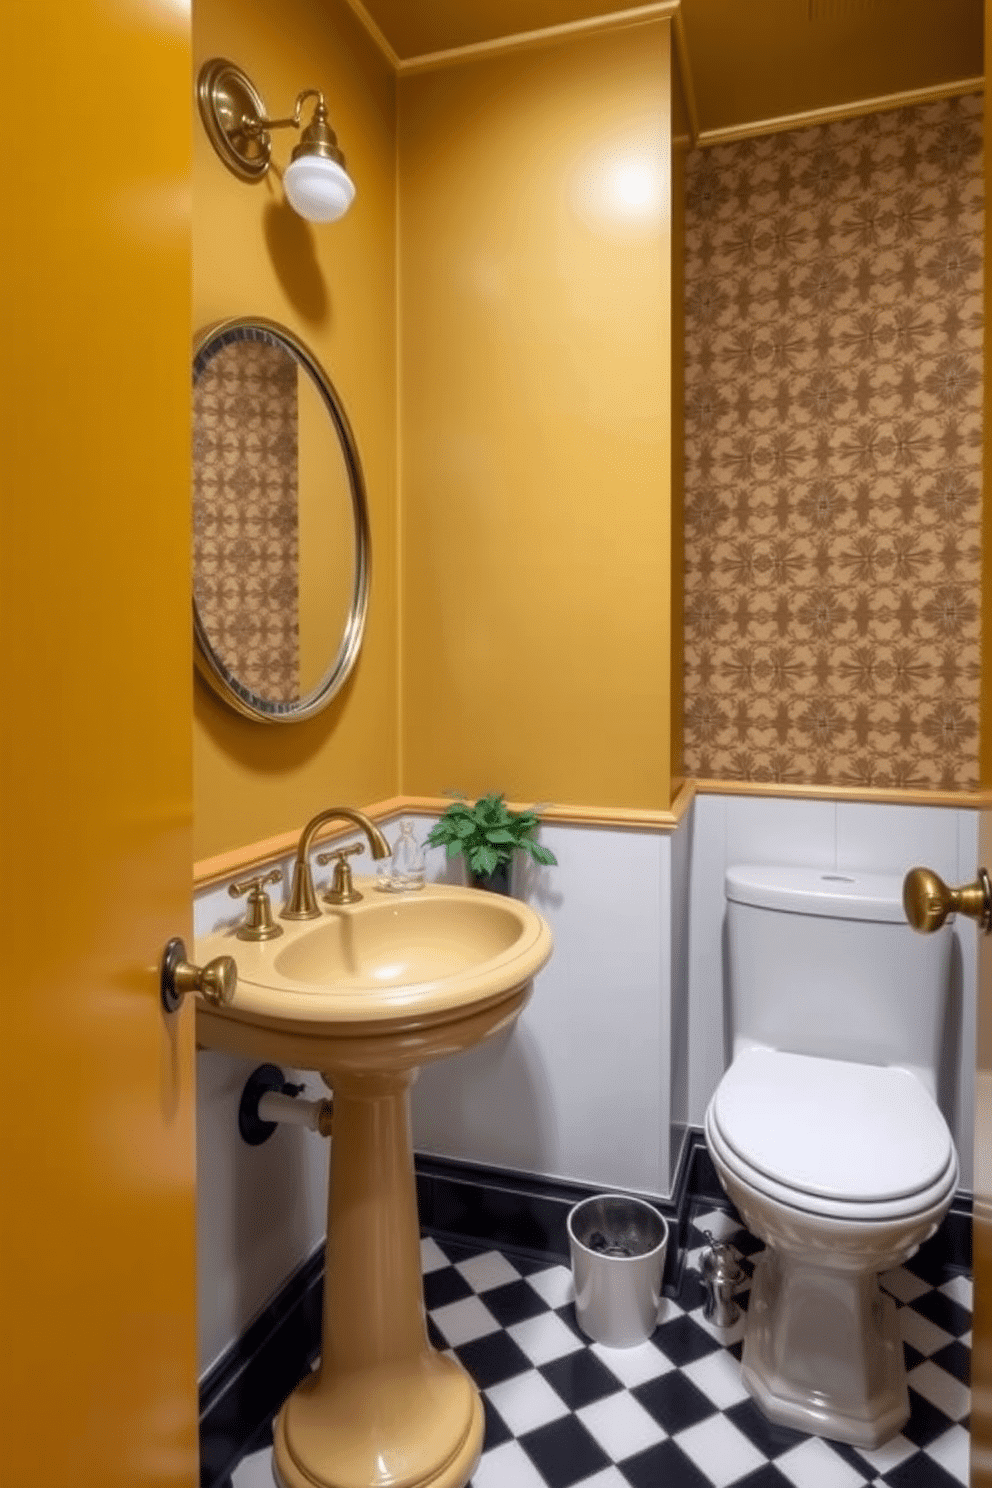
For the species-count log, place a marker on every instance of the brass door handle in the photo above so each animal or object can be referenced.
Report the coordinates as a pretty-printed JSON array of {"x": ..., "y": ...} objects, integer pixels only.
[
  {"x": 928, "y": 901},
  {"x": 216, "y": 981}
]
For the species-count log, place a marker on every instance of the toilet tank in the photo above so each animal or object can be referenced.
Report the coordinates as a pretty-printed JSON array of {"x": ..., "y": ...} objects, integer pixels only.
[{"x": 824, "y": 963}]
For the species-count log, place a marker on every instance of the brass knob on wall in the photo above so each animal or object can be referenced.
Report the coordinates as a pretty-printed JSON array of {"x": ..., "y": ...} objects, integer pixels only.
[
  {"x": 928, "y": 901},
  {"x": 217, "y": 981}
]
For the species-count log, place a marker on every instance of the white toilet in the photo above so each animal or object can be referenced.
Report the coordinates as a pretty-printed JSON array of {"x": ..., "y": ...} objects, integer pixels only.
[{"x": 826, "y": 1135}]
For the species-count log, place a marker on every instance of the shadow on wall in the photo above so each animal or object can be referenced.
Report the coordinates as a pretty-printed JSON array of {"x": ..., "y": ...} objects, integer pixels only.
[
  {"x": 453, "y": 1099},
  {"x": 284, "y": 749},
  {"x": 949, "y": 1066},
  {"x": 728, "y": 1018},
  {"x": 536, "y": 885},
  {"x": 260, "y": 1210},
  {"x": 506, "y": 1073},
  {"x": 290, "y": 242}
]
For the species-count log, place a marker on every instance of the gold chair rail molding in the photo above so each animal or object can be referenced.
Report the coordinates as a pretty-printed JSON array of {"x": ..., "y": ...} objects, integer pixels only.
[{"x": 210, "y": 870}]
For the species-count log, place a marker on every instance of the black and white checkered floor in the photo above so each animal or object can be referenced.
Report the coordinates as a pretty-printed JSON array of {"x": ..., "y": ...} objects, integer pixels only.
[{"x": 564, "y": 1413}]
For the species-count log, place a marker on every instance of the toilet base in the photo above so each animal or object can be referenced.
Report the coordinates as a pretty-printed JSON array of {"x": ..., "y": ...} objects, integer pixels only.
[{"x": 822, "y": 1352}]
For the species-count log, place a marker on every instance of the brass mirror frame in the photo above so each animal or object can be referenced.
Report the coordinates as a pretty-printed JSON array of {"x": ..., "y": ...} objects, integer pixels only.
[{"x": 208, "y": 663}]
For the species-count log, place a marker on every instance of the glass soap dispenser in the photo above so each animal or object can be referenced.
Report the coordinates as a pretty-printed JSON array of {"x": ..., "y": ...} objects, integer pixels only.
[{"x": 408, "y": 870}]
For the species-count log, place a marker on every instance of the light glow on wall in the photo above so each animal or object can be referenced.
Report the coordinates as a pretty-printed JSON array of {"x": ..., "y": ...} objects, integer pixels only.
[{"x": 621, "y": 185}]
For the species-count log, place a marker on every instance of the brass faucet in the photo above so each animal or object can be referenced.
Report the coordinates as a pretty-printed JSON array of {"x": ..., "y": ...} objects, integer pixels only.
[{"x": 302, "y": 902}]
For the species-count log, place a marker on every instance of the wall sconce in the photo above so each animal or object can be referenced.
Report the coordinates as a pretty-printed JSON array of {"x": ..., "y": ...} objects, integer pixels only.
[{"x": 315, "y": 180}]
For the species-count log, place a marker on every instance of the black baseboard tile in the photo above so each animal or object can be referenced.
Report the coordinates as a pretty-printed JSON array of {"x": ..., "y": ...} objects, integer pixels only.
[
  {"x": 951, "y": 1246},
  {"x": 702, "y": 1182},
  {"x": 517, "y": 1211},
  {"x": 494, "y": 1206},
  {"x": 253, "y": 1377},
  {"x": 504, "y": 1208}
]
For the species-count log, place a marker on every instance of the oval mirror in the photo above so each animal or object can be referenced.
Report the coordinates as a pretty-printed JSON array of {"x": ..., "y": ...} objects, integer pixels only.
[{"x": 280, "y": 525}]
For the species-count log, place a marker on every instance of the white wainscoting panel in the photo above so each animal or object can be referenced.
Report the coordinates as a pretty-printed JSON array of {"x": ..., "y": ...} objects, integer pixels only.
[{"x": 578, "y": 1089}]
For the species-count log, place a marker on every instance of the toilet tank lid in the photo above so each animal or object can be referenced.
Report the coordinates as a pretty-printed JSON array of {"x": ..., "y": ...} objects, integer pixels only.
[{"x": 830, "y": 892}]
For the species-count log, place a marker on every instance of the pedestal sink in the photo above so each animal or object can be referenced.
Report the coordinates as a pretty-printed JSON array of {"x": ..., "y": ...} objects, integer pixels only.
[{"x": 365, "y": 995}]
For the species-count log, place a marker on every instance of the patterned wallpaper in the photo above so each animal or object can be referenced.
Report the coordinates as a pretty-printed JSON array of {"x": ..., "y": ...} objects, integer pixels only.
[
  {"x": 245, "y": 518},
  {"x": 833, "y": 452}
]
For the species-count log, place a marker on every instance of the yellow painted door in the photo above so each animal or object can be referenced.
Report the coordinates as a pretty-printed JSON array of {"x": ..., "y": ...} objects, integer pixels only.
[
  {"x": 981, "y": 1354},
  {"x": 97, "y": 1361}
]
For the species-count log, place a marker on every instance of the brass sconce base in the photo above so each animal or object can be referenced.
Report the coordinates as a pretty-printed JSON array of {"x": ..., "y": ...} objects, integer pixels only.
[
  {"x": 233, "y": 115},
  {"x": 316, "y": 180}
]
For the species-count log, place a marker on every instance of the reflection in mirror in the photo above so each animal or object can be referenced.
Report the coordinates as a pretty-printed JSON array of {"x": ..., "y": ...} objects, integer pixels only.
[{"x": 280, "y": 529}]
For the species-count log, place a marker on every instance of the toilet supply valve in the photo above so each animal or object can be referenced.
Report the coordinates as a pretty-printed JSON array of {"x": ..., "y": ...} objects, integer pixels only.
[
  {"x": 721, "y": 1273},
  {"x": 269, "y": 1098},
  {"x": 342, "y": 890},
  {"x": 259, "y": 924}
]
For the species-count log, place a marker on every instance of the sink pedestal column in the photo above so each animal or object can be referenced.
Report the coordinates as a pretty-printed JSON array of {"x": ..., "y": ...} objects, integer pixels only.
[{"x": 384, "y": 1407}]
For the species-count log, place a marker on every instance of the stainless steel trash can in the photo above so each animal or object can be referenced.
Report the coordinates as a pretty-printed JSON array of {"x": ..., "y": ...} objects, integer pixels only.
[{"x": 618, "y": 1249}]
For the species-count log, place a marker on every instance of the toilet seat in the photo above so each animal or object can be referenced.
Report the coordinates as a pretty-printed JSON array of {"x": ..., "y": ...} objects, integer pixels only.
[{"x": 832, "y": 1138}]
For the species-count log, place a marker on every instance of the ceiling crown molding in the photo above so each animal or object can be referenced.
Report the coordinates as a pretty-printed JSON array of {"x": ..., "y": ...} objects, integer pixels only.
[
  {"x": 543, "y": 36},
  {"x": 376, "y": 33},
  {"x": 856, "y": 110}
]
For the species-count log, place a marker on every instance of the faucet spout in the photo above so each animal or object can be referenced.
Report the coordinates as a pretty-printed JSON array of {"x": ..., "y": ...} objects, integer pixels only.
[{"x": 302, "y": 901}]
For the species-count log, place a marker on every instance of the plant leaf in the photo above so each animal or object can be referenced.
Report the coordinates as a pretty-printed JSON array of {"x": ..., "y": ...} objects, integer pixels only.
[
  {"x": 483, "y": 859},
  {"x": 542, "y": 854}
]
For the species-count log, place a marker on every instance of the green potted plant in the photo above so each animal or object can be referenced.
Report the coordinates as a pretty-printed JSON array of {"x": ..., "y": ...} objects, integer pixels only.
[{"x": 487, "y": 834}]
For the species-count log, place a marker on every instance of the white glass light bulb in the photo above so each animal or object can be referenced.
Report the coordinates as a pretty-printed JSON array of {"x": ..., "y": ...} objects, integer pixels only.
[{"x": 318, "y": 188}]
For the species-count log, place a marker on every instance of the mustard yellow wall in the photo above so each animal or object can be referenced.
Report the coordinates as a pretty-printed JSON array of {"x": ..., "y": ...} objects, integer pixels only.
[
  {"x": 985, "y": 720},
  {"x": 335, "y": 287},
  {"x": 676, "y": 726},
  {"x": 535, "y": 376}
]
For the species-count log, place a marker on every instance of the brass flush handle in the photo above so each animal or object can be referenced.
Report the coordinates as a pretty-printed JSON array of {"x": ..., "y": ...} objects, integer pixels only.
[
  {"x": 217, "y": 981},
  {"x": 928, "y": 901}
]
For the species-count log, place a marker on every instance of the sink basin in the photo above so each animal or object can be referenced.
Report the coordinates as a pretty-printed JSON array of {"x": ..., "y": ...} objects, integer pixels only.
[
  {"x": 365, "y": 994},
  {"x": 389, "y": 982},
  {"x": 418, "y": 942}
]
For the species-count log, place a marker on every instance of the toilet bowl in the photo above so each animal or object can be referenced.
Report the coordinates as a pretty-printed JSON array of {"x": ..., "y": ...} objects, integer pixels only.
[
  {"x": 843, "y": 1165},
  {"x": 843, "y": 1170}
]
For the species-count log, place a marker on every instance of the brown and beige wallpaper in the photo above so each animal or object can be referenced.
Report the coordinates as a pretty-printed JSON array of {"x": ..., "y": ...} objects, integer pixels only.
[
  {"x": 245, "y": 517},
  {"x": 833, "y": 452}
]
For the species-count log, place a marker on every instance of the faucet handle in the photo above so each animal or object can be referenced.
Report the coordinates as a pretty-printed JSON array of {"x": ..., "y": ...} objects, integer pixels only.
[
  {"x": 340, "y": 852},
  {"x": 342, "y": 890},
  {"x": 259, "y": 924}
]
